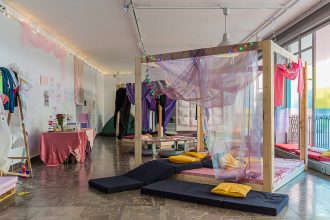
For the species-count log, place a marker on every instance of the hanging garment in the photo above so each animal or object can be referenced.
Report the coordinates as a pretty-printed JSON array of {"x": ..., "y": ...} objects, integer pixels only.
[
  {"x": 5, "y": 139},
  {"x": 17, "y": 88},
  {"x": 120, "y": 99},
  {"x": 124, "y": 117},
  {"x": 282, "y": 71},
  {"x": 4, "y": 99},
  {"x": 15, "y": 80},
  {"x": 8, "y": 89},
  {"x": 149, "y": 104},
  {"x": 26, "y": 84},
  {"x": 1, "y": 82}
]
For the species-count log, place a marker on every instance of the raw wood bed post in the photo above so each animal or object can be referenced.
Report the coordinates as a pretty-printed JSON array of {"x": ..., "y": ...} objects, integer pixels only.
[
  {"x": 138, "y": 111},
  {"x": 303, "y": 134},
  {"x": 268, "y": 115},
  {"x": 118, "y": 118},
  {"x": 160, "y": 121},
  {"x": 200, "y": 135}
]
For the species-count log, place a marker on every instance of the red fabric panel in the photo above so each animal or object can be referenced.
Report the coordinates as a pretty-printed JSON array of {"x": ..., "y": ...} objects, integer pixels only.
[{"x": 314, "y": 155}]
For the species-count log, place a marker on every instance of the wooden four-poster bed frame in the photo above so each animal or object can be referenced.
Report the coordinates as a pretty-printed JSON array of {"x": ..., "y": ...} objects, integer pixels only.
[{"x": 268, "y": 50}]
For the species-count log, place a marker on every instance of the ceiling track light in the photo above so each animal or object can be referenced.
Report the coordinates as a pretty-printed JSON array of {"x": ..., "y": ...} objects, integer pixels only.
[{"x": 225, "y": 37}]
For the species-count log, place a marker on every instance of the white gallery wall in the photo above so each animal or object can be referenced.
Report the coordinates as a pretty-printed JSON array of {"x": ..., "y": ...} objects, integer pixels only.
[{"x": 36, "y": 63}]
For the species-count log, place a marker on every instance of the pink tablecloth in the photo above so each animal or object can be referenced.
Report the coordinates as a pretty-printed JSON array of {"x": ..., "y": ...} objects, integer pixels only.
[
  {"x": 55, "y": 147},
  {"x": 90, "y": 135}
]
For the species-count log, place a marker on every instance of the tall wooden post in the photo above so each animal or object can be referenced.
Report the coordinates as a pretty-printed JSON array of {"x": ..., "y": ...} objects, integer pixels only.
[
  {"x": 160, "y": 121},
  {"x": 303, "y": 119},
  {"x": 138, "y": 112},
  {"x": 200, "y": 133},
  {"x": 268, "y": 116},
  {"x": 24, "y": 136}
]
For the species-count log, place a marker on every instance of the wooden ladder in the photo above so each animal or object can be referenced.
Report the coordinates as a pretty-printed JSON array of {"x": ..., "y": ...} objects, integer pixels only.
[{"x": 26, "y": 145}]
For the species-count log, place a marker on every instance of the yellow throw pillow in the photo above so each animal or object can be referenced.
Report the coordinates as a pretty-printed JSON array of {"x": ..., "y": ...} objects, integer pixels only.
[
  {"x": 183, "y": 159},
  {"x": 199, "y": 155},
  {"x": 326, "y": 153},
  {"x": 230, "y": 162},
  {"x": 231, "y": 189}
]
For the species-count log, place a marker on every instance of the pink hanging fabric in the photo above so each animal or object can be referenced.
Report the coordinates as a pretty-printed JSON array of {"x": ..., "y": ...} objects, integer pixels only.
[
  {"x": 282, "y": 71},
  {"x": 4, "y": 99},
  {"x": 37, "y": 40}
]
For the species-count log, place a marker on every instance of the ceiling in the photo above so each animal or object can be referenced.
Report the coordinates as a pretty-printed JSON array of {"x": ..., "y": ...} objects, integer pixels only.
[{"x": 105, "y": 33}]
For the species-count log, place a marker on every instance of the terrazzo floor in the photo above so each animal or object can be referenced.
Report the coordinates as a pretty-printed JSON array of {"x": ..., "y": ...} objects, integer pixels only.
[{"x": 62, "y": 192}]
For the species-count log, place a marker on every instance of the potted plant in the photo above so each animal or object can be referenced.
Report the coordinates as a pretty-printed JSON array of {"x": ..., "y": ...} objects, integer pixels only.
[{"x": 60, "y": 119}]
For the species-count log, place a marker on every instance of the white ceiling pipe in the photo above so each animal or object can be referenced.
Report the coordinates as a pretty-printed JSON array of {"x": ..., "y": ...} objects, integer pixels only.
[
  {"x": 271, "y": 20},
  {"x": 270, "y": 6}
]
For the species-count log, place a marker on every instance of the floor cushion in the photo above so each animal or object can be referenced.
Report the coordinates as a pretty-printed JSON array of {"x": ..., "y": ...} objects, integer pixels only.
[
  {"x": 115, "y": 184},
  {"x": 150, "y": 172},
  {"x": 184, "y": 159},
  {"x": 207, "y": 162},
  {"x": 180, "y": 167},
  {"x": 314, "y": 155},
  {"x": 288, "y": 147},
  {"x": 168, "y": 153},
  {"x": 232, "y": 189},
  {"x": 144, "y": 152},
  {"x": 199, "y": 155},
  {"x": 257, "y": 202}
]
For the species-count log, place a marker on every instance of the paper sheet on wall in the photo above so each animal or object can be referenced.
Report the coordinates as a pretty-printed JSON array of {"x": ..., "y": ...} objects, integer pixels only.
[
  {"x": 58, "y": 93},
  {"x": 43, "y": 80},
  {"x": 46, "y": 98}
]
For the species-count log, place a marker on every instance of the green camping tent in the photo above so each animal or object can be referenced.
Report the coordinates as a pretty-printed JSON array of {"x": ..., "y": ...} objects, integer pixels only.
[{"x": 110, "y": 130}]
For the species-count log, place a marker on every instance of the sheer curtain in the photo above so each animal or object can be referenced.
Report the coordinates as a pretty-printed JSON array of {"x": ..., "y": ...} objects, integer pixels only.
[{"x": 229, "y": 88}]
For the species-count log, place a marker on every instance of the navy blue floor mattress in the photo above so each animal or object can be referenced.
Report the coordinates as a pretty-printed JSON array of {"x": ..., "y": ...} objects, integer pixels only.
[{"x": 257, "y": 202}]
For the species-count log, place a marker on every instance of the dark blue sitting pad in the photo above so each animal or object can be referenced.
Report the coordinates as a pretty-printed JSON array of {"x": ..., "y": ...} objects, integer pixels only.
[
  {"x": 257, "y": 202},
  {"x": 180, "y": 167},
  {"x": 145, "y": 152},
  {"x": 145, "y": 174},
  {"x": 150, "y": 172},
  {"x": 206, "y": 162},
  {"x": 115, "y": 184}
]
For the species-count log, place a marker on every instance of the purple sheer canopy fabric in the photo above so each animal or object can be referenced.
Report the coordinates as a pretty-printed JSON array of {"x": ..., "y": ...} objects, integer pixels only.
[
  {"x": 229, "y": 88},
  {"x": 149, "y": 104},
  {"x": 209, "y": 81}
]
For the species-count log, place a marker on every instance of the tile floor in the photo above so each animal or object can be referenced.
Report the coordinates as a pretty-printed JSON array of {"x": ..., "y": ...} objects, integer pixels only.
[{"x": 62, "y": 193}]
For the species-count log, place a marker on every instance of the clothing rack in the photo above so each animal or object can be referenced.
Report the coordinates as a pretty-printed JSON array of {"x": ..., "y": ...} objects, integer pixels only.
[{"x": 26, "y": 146}]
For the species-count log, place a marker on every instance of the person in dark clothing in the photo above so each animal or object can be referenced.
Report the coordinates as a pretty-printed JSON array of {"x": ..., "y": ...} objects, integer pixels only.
[
  {"x": 120, "y": 98},
  {"x": 125, "y": 112},
  {"x": 122, "y": 105}
]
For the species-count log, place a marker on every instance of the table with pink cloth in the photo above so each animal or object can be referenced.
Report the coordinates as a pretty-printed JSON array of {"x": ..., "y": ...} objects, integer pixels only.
[{"x": 56, "y": 147}]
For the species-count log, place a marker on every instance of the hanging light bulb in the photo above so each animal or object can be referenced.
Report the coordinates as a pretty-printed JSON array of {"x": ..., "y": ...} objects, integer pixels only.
[{"x": 225, "y": 37}]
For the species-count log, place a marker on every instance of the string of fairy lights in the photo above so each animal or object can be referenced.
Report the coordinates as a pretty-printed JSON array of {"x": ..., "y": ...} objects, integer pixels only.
[{"x": 14, "y": 15}]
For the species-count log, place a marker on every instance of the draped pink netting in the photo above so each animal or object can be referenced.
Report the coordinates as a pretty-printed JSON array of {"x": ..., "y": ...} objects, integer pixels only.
[
  {"x": 37, "y": 40},
  {"x": 229, "y": 88}
]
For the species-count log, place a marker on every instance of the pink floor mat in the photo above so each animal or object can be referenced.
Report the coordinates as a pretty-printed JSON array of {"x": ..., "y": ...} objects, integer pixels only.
[
  {"x": 7, "y": 183},
  {"x": 283, "y": 167}
]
